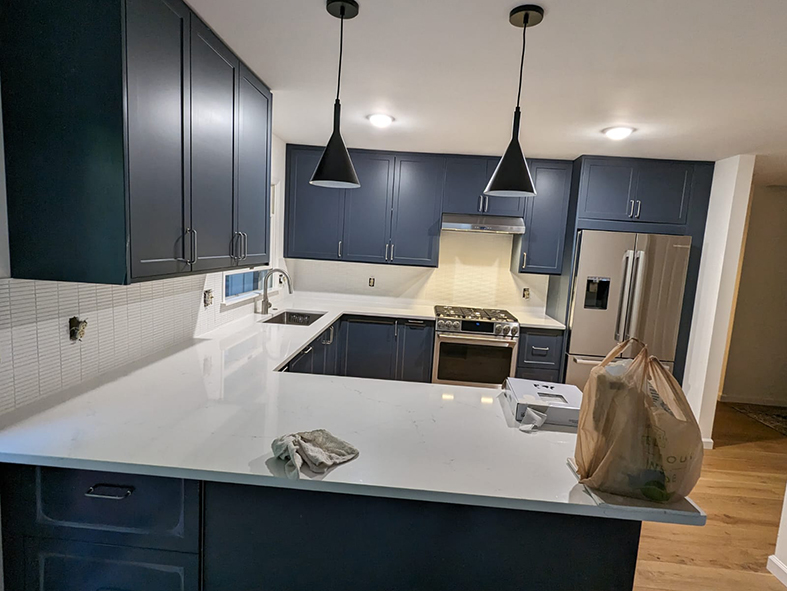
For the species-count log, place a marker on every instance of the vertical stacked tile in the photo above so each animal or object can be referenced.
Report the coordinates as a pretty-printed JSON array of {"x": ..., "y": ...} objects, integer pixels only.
[
  {"x": 6, "y": 356},
  {"x": 120, "y": 324},
  {"x": 48, "y": 337},
  {"x": 70, "y": 354},
  {"x": 134, "y": 314},
  {"x": 24, "y": 341},
  {"x": 88, "y": 348}
]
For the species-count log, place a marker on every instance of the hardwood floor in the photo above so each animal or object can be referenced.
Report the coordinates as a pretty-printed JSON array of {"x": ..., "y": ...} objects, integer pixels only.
[{"x": 742, "y": 491}]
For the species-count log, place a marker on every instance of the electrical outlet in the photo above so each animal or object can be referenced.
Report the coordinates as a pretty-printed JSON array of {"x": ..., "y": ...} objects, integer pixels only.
[
  {"x": 207, "y": 297},
  {"x": 371, "y": 281},
  {"x": 526, "y": 293}
]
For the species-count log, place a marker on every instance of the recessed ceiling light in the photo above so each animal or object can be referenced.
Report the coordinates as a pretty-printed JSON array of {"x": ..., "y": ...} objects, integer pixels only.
[
  {"x": 380, "y": 120},
  {"x": 617, "y": 133}
]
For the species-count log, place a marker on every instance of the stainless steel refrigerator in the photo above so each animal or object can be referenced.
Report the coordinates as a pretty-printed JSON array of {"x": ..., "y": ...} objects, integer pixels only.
[{"x": 625, "y": 285}]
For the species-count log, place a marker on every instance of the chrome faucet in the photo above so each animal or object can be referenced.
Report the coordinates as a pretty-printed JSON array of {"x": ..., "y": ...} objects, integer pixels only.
[{"x": 265, "y": 304}]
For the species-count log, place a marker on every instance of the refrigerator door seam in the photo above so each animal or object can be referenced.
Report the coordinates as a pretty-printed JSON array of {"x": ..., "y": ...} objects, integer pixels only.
[
  {"x": 625, "y": 296},
  {"x": 636, "y": 301}
]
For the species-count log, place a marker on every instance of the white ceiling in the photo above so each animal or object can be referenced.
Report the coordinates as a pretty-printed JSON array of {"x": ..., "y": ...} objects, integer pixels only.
[{"x": 703, "y": 79}]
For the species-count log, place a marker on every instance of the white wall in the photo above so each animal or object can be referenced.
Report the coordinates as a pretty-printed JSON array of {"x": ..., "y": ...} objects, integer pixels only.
[
  {"x": 756, "y": 371},
  {"x": 473, "y": 270},
  {"x": 777, "y": 563},
  {"x": 716, "y": 287}
]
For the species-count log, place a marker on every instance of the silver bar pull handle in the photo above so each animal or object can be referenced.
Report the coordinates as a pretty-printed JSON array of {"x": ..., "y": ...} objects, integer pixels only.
[
  {"x": 579, "y": 361},
  {"x": 631, "y": 327},
  {"x": 387, "y": 247},
  {"x": 480, "y": 203},
  {"x": 340, "y": 249},
  {"x": 630, "y": 208},
  {"x": 625, "y": 295},
  {"x": 194, "y": 246},
  {"x": 540, "y": 349},
  {"x": 307, "y": 351},
  {"x": 639, "y": 207},
  {"x": 392, "y": 248},
  {"x": 486, "y": 203},
  {"x": 111, "y": 492},
  {"x": 524, "y": 260},
  {"x": 245, "y": 253}
]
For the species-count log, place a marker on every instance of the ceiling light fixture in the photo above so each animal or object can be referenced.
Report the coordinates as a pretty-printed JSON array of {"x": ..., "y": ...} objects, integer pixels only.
[
  {"x": 335, "y": 169},
  {"x": 617, "y": 133},
  {"x": 380, "y": 120},
  {"x": 512, "y": 176}
]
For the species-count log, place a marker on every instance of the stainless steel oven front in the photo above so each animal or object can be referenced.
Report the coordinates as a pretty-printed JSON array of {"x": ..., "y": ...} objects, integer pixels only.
[{"x": 473, "y": 360}]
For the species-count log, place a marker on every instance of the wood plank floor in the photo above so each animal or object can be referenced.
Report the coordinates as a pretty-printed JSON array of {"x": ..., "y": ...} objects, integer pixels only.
[{"x": 742, "y": 491}]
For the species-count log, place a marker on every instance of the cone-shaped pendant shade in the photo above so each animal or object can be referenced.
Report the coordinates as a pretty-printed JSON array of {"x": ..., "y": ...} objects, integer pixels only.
[
  {"x": 512, "y": 176},
  {"x": 335, "y": 169}
]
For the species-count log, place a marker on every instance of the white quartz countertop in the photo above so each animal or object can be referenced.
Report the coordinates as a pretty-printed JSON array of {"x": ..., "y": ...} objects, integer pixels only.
[{"x": 210, "y": 409}]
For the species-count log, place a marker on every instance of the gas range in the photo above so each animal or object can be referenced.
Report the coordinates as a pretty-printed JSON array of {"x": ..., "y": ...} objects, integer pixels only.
[{"x": 478, "y": 321}]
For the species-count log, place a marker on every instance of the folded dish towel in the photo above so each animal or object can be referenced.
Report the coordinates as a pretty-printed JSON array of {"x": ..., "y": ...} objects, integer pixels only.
[{"x": 319, "y": 449}]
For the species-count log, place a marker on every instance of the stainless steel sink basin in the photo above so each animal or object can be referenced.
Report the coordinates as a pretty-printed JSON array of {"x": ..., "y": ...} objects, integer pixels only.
[{"x": 296, "y": 318}]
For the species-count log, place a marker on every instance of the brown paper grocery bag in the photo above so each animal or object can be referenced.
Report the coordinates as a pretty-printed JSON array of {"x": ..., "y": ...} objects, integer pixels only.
[{"x": 637, "y": 436}]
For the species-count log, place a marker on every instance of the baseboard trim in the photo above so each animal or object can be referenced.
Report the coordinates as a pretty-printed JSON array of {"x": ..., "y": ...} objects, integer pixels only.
[
  {"x": 778, "y": 569},
  {"x": 707, "y": 443},
  {"x": 775, "y": 401}
]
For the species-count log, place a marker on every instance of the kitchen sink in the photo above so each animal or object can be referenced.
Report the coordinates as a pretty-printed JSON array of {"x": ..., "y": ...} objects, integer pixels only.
[{"x": 296, "y": 318}]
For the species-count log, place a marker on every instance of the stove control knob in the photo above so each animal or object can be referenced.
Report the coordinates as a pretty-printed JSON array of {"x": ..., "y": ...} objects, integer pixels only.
[
  {"x": 506, "y": 329},
  {"x": 498, "y": 329},
  {"x": 455, "y": 325},
  {"x": 514, "y": 330},
  {"x": 441, "y": 324}
]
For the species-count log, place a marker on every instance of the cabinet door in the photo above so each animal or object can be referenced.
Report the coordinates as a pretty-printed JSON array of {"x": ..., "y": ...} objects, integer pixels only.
[
  {"x": 662, "y": 192},
  {"x": 314, "y": 214},
  {"x": 55, "y": 565},
  {"x": 302, "y": 362},
  {"x": 158, "y": 91},
  {"x": 253, "y": 190},
  {"x": 508, "y": 206},
  {"x": 214, "y": 76},
  {"x": 465, "y": 180},
  {"x": 415, "y": 236},
  {"x": 332, "y": 345},
  {"x": 540, "y": 249},
  {"x": 369, "y": 348},
  {"x": 318, "y": 351},
  {"x": 367, "y": 209},
  {"x": 416, "y": 349},
  {"x": 605, "y": 189}
]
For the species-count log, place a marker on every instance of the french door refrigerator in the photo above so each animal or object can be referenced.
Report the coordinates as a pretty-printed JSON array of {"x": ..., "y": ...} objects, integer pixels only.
[{"x": 626, "y": 285}]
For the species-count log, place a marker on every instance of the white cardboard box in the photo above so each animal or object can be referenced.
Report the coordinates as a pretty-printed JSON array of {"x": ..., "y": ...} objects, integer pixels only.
[{"x": 560, "y": 402}]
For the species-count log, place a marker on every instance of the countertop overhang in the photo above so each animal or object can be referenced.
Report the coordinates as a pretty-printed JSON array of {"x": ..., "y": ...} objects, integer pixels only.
[{"x": 210, "y": 408}]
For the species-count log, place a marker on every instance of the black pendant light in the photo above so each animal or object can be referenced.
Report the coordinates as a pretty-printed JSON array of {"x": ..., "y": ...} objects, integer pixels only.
[
  {"x": 512, "y": 176},
  {"x": 335, "y": 169}
]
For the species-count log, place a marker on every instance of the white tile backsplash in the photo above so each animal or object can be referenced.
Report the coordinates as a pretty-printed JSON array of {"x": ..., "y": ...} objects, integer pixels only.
[
  {"x": 473, "y": 270},
  {"x": 125, "y": 324}
]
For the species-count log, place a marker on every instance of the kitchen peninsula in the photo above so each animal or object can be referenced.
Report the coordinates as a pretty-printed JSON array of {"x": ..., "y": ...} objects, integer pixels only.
[{"x": 167, "y": 465}]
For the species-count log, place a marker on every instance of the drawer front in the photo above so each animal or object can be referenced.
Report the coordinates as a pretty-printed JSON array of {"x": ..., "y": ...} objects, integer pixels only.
[
  {"x": 57, "y": 565},
  {"x": 538, "y": 374},
  {"x": 540, "y": 348},
  {"x": 102, "y": 507}
]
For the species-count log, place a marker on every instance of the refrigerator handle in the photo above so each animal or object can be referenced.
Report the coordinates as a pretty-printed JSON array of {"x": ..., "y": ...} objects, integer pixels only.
[
  {"x": 625, "y": 296},
  {"x": 636, "y": 300}
]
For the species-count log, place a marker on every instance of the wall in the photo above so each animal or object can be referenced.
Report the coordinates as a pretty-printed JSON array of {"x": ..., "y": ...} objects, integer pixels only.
[
  {"x": 777, "y": 563},
  {"x": 756, "y": 371},
  {"x": 716, "y": 287},
  {"x": 474, "y": 270}
]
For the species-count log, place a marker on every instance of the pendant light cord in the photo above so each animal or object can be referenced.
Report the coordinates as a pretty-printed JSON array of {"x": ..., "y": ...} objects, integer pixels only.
[
  {"x": 341, "y": 49},
  {"x": 521, "y": 62}
]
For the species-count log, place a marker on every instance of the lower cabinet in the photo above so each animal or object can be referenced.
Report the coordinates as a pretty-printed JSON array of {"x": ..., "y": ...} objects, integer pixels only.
[
  {"x": 321, "y": 356},
  {"x": 540, "y": 355},
  {"x": 369, "y": 347},
  {"x": 540, "y": 375},
  {"x": 415, "y": 350},
  {"x": 60, "y": 565}
]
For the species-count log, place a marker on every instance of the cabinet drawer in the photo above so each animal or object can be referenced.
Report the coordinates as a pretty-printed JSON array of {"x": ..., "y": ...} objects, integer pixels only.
[
  {"x": 102, "y": 507},
  {"x": 57, "y": 565},
  {"x": 538, "y": 374},
  {"x": 540, "y": 348}
]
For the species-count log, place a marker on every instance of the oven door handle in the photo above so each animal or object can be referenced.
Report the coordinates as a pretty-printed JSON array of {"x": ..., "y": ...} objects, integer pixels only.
[{"x": 441, "y": 338}]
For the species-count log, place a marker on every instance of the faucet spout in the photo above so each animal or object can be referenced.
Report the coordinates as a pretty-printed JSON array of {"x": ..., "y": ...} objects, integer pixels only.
[{"x": 265, "y": 304}]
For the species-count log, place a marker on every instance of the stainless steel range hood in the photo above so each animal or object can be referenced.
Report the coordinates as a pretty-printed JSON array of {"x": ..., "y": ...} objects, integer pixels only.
[{"x": 483, "y": 223}]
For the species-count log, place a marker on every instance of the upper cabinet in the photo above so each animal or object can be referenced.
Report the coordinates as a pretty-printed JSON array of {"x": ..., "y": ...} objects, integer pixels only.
[
  {"x": 147, "y": 152},
  {"x": 635, "y": 190},
  {"x": 466, "y": 178},
  {"x": 393, "y": 218},
  {"x": 540, "y": 248}
]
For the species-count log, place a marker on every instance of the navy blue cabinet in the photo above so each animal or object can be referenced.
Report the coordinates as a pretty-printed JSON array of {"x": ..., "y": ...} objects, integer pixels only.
[
  {"x": 466, "y": 178},
  {"x": 367, "y": 210},
  {"x": 635, "y": 190},
  {"x": 540, "y": 355},
  {"x": 415, "y": 350},
  {"x": 303, "y": 362},
  {"x": 127, "y": 167},
  {"x": 540, "y": 248},
  {"x": 369, "y": 347},
  {"x": 417, "y": 214}
]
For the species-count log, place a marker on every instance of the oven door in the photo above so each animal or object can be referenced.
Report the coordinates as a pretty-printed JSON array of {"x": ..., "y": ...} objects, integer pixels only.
[{"x": 467, "y": 360}]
